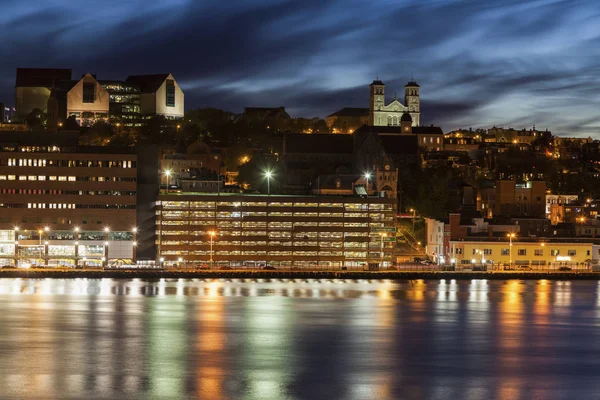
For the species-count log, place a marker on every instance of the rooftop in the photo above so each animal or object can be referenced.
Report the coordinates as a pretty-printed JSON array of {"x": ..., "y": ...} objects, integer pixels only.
[
  {"x": 351, "y": 112},
  {"x": 41, "y": 77}
]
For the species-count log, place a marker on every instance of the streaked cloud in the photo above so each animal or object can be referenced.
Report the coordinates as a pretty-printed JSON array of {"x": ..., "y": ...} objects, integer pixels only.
[{"x": 480, "y": 63}]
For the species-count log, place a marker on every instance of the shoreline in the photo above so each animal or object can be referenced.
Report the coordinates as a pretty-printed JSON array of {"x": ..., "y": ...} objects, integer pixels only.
[{"x": 261, "y": 274}]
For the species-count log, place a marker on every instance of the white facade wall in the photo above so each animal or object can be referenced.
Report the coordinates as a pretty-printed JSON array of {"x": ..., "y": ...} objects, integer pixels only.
[
  {"x": 435, "y": 239},
  {"x": 161, "y": 101}
]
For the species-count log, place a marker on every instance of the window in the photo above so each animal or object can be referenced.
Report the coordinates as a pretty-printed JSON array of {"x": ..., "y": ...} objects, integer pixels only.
[
  {"x": 554, "y": 252},
  {"x": 522, "y": 252},
  {"x": 487, "y": 252},
  {"x": 458, "y": 251},
  {"x": 170, "y": 93},
  {"x": 571, "y": 252},
  {"x": 538, "y": 252},
  {"x": 88, "y": 92}
]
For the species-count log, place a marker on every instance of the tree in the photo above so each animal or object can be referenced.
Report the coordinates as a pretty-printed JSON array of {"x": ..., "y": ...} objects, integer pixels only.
[{"x": 36, "y": 118}]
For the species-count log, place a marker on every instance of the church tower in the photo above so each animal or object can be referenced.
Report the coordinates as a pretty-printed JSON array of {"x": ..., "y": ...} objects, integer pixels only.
[
  {"x": 377, "y": 100},
  {"x": 412, "y": 101}
]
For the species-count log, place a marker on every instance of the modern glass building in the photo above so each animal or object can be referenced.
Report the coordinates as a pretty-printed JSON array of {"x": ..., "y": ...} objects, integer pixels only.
[
  {"x": 124, "y": 102},
  {"x": 282, "y": 231}
]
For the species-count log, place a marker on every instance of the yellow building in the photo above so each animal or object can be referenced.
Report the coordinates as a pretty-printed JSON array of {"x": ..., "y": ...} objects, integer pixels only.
[{"x": 537, "y": 254}]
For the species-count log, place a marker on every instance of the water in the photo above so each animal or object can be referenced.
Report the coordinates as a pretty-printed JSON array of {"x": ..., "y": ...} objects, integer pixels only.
[{"x": 284, "y": 339}]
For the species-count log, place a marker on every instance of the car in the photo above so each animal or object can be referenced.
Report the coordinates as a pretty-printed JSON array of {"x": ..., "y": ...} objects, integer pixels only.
[
  {"x": 479, "y": 268},
  {"x": 417, "y": 259},
  {"x": 225, "y": 268},
  {"x": 448, "y": 268},
  {"x": 269, "y": 268},
  {"x": 427, "y": 262},
  {"x": 565, "y": 269},
  {"x": 524, "y": 268}
]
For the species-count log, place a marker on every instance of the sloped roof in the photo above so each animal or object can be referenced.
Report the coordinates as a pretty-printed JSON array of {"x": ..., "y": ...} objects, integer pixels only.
[
  {"x": 319, "y": 143},
  {"x": 41, "y": 77},
  {"x": 148, "y": 83},
  {"x": 430, "y": 130},
  {"x": 351, "y": 112},
  {"x": 381, "y": 130},
  {"x": 411, "y": 83},
  {"x": 399, "y": 144},
  {"x": 265, "y": 112}
]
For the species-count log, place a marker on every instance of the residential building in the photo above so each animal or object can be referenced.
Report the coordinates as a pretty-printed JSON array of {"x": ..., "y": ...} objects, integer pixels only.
[
  {"x": 435, "y": 240},
  {"x": 509, "y": 198},
  {"x": 33, "y": 87},
  {"x": 160, "y": 94},
  {"x": 559, "y": 199},
  {"x": 283, "y": 231}
]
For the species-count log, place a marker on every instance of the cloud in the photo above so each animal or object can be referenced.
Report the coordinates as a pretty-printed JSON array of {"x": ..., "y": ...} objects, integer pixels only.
[{"x": 494, "y": 62}]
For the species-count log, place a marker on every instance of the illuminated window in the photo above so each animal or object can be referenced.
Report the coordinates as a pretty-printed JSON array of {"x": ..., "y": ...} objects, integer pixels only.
[
  {"x": 571, "y": 252},
  {"x": 41, "y": 178}
]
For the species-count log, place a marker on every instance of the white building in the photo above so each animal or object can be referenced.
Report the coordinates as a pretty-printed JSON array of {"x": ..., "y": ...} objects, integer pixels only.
[
  {"x": 391, "y": 114},
  {"x": 435, "y": 240},
  {"x": 160, "y": 95},
  {"x": 87, "y": 101}
]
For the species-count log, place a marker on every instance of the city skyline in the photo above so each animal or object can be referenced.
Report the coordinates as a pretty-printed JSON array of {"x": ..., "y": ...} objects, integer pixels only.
[{"x": 504, "y": 63}]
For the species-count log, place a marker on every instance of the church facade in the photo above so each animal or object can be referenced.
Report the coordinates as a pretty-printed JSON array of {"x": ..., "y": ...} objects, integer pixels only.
[{"x": 381, "y": 114}]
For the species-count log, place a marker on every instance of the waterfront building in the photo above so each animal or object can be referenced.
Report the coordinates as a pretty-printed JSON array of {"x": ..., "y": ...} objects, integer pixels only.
[
  {"x": 282, "y": 231},
  {"x": 534, "y": 253},
  {"x": 62, "y": 204}
]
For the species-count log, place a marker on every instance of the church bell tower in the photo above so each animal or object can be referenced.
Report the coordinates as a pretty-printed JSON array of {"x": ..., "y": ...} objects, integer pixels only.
[
  {"x": 412, "y": 101},
  {"x": 377, "y": 100}
]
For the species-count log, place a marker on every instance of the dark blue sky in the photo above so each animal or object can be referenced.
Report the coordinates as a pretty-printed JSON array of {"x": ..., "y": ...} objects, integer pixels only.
[{"x": 479, "y": 62}]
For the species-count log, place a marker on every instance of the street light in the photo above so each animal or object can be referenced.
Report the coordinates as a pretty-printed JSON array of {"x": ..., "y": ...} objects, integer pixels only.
[
  {"x": 168, "y": 175},
  {"x": 367, "y": 177},
  {"x": 268, "y": 175},
  {"x": 510, "y": 238},
  {"x": 414, "y": 212},
  {"x": 212, "y": 235},
  {"x": 383, "y": 234}
]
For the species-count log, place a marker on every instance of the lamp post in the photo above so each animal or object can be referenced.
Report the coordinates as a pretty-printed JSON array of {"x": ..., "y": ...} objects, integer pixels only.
[
  {"x": 510, "y": 238},
  {"x": 134, "y": 245},
  {"x": 367, "y": 177},
  {"x": 45, "y": 248},
  {"x": 414, "y": 212},
  {"x": 268, "y": 175},
  {"x": 16, "y": 246},
  {"x": 168, "y": 175},
  {"x": 383, "y": 234},
  {"x": 105, "y": 258},
  {"x": 212, "y": 235},
  {"x": 76, "y": 230}
]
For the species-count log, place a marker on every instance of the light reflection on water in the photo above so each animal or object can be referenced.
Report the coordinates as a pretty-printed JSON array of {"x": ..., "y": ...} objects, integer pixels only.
[{"x": 299, "y": 339}]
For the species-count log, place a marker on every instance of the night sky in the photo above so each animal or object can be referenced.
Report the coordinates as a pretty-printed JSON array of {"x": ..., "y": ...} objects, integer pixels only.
[{"x": 479, "y": 63}]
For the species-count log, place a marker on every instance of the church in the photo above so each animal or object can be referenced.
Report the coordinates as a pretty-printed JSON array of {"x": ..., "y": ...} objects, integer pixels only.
[
  {"x": 348, "y": 119},
  {"x": 381, "y": 114}
]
